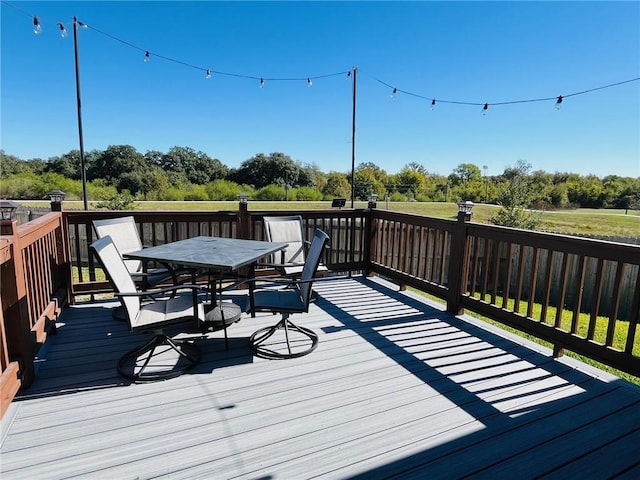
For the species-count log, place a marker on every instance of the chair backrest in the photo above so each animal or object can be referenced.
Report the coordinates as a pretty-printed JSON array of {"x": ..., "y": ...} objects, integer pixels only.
[
  {"x": 318, "y": 244},
  {"x": 286, "y": 229},
  {"x": 118, "y": 274},
  {"x": 124, "y": 233}
]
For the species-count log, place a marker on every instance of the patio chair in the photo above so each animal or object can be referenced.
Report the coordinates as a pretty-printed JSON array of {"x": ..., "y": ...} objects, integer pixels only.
[
  {"x": 290, "y": 262},
  {"x": 124, "y": 233},
  {"x": 288, "y": 301},
  {"x": 136, "y": 364}
]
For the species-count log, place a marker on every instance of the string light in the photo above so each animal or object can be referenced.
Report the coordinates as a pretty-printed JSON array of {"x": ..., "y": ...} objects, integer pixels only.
[
  {"x": 63, "y": 31},
  {"x": 485, "y": 106},
  {"x": 37, "y": 28}
]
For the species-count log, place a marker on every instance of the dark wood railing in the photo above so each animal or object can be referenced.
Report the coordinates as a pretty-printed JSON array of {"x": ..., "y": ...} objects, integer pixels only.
[
  {"x": 578, "y": 294},
  {"x": 35, "y": 285}
]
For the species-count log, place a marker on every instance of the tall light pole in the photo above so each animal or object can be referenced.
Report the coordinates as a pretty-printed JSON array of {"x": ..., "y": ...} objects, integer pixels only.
[
  {"x": 79, "y": 103},
  {"x": 353, "y": 140}
]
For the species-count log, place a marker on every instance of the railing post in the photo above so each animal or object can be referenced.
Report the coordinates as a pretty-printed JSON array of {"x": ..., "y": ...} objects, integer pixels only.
[
  {"x": 242, "y": 223},
  {"x": 64, "y": 249},
  {"x": 457, "y": 264},
  {"x": 370, "y": 236}
]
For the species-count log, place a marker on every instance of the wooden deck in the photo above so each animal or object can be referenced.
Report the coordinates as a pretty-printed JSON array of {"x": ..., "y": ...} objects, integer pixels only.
[{"x": 396, "y": 389}]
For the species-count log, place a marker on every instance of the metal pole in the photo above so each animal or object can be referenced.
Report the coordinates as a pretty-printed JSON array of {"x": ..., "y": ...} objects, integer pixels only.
[
  {"x": 353, "y": 141},
  {"x": 82, "y": 164}
]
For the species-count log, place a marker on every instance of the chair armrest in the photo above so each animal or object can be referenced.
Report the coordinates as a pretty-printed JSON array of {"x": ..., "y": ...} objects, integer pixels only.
[
  {"x": 157, "y": 291},
  {"x": 272, "y": 281},
  {"x": 280, "y": 265}
]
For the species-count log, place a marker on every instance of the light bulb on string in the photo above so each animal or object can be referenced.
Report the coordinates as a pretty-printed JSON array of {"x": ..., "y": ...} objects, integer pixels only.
[
  {"x": 63, "y": 31},
  {"x": 433, "y": 104},
  {"x": 393, "y": 93},
  {"x": 208, "y": 74},
  {"x": 559, "y": 102},
  {"x": 37, "y": 28},
  {"x": 309, "y": 82},
  {"x": 262, "y": 83},
  {"x": 147, "y": 56},
  {"x": 485, "y": 108}
]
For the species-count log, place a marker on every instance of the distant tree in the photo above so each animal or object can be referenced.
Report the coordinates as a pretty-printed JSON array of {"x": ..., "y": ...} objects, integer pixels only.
[
  {"x": 366, "y": 183},
  {"x": 69, "y": 164},
  {"x": 412, "y": 178},
  {"x": 196, "y": 167},
  {"x": 586, "y": 191},
  {"x": 337, "y": 186},
  {"x": 115, "y": 161},
  {"x": 514, "y": 196},
  {"x": 374, "y": 170},
  {"x": 312, "y": 176},
  {"x": 273, "y": 169},
  {"x": 464, "y": 173},
  {"x": 10, "y": 164}
]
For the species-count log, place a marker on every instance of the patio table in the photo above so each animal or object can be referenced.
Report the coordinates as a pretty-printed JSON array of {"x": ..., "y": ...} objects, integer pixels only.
[{"x": 215, "y": 255}]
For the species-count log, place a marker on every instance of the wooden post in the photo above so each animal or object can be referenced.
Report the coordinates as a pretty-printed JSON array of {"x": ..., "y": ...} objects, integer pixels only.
[
  {"x": 370, "y": 233},
  {"x": 242, "y": 223},
  {"x": 457, "y": 264}
]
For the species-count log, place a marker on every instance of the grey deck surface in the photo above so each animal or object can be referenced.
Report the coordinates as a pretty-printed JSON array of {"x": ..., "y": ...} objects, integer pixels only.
[{"x": 395, "y": 389}]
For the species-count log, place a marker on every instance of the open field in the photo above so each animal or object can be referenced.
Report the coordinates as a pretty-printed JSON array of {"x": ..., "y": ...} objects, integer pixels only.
[{"x": 580, "y": 221}]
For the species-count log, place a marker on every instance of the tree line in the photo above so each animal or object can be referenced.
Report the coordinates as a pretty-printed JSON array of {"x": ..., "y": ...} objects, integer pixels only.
[{"x": 185, "y": 174}]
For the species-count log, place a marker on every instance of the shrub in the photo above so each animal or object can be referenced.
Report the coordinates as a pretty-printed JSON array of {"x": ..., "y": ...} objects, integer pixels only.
[
  {"x": 271, "y": 192},
  {"x": 197, "y": 193},
  {"x": 119, "y": 201},
  {"x": 305, "y": 194}
]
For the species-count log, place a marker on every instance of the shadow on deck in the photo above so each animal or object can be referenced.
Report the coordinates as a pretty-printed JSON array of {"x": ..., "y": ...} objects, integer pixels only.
[{"x": 396, "y": 389}]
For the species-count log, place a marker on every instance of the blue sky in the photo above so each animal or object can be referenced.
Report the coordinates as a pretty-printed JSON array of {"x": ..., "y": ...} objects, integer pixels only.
[{"x": 473, "y": 52}]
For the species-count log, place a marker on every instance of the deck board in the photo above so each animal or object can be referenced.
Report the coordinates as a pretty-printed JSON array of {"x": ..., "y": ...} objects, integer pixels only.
[{"x": 397, "y": 388}]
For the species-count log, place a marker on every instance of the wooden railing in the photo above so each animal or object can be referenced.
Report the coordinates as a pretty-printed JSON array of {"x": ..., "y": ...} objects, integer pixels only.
[
  {"x": 575, "y": 293},
  {"x": 35, "y": 285},
  {"x": 345, "y": 227},
  {"x": 578, "y": 294},
  {"x": 155, "y": 228}
]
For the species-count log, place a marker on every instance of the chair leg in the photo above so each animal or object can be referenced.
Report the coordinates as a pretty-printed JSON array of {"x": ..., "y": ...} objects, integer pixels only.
[
  {"x": 133, "y": 364},
  {"x": 259, "y": 338}
]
